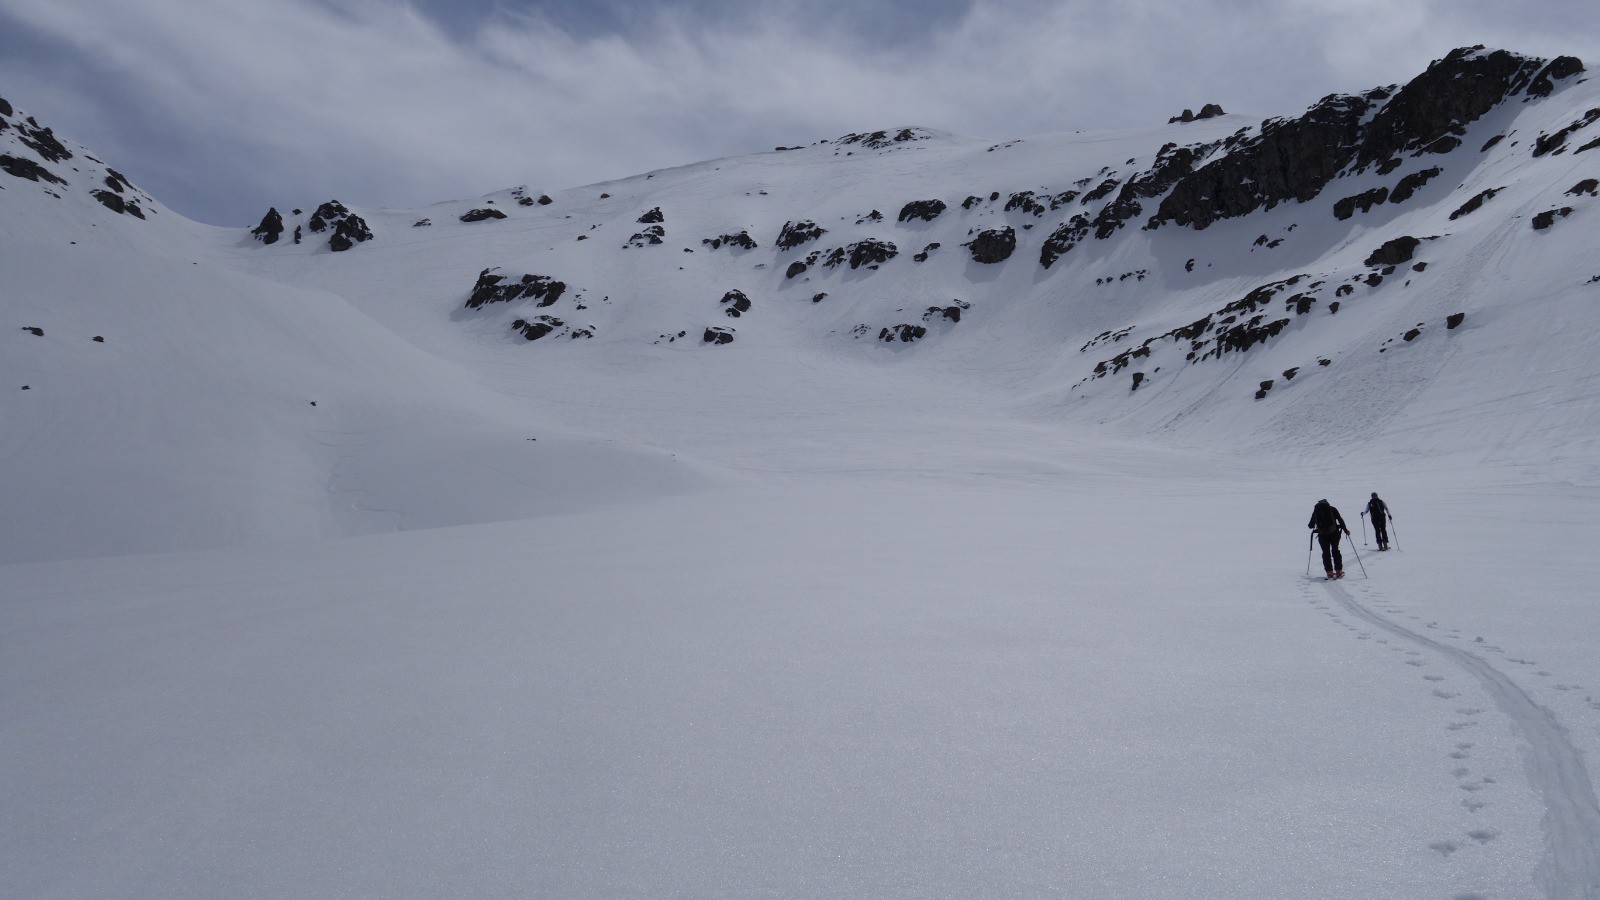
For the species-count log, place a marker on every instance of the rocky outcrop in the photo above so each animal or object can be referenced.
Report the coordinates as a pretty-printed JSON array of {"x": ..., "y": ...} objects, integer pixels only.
[
  {"x": 1548, "y": 217},
  {"x": 492, "y": 288},
  {"x": 735, "y": 304},
  {"x": 652, "y": 234},
  {"x": 1556, "y": 142},
  {"x": 717, "y": 335},
  {"x": 537, "y": 327},
  {"x": 795, "y": 234},
  {"x": 923, "y": 210},
  {"x": 1290, "y": 159},
  {"x": 1410, "y": 184},
  {"x": 22, "y": 167},
  {"x": 1070, "y": 233},
  {"x": 883, "y": 140},
  {"x": 1209, "y": 111},
  {"x": 271, "y": 227},
  {"x": 903, "y": 333},
  {"x": 482, "y": 214},
  {"x": 1345, "y": 207},
  {"x": 348, "y": 228},
  {"x": 742, "y": 240},
  {"x": 117, "y": 204},
  {"x": 1394, "y": 252},
  {"x": 1471, "y": 206},
  {"x": 652, "y": 217},
  {"x": 994, "y": 245}
]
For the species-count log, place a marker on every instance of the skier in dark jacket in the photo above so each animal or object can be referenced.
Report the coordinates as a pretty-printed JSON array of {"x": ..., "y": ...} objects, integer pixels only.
[
  {"x": 1328, "y": 523},
  {"x": 1379, "y": 511}
]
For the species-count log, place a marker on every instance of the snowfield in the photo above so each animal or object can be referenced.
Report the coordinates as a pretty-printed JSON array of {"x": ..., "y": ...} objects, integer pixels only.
[{"x": 316, "y": 582}]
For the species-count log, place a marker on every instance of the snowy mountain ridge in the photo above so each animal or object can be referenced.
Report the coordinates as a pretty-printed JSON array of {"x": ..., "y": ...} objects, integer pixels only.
[{"x": 1293, "y": 283}]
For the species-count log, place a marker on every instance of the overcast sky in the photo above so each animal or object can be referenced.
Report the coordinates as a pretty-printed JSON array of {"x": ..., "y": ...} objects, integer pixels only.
[{"x": 221, "y": 108}]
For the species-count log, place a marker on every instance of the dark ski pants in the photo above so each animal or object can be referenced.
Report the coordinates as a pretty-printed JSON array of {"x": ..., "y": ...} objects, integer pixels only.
[
  {"x": 1380, "y": 530},
  {"x": 1332, "y": 559}
]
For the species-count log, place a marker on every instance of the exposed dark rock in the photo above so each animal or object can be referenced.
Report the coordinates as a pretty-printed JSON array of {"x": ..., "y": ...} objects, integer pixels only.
[
  {"x": 951, "y": 313},
  {"x": 904, "y": 333},
  {"x": 883, "y": 140},
  {"x": 1288, "y": 374},
  {"x": 116, "y": 182},
  {"x": 873, "y": 216},
  {"x": 1410, "y": 184},
  {"x": 42, "y": 141},
  {"x": 819, "y": 297},
  {"x": 545, "y": 200},
  {"x": 735, "y": 304},
  {"x": 480, "y": 215},
  {"x": 1100, "y": 191},
  {"x": 1491, "y": 142},
  {"x": 870, "y": 253},
  {"x": 1024, "y": 200},
  {"x": 970, "y": 202},
  {"x": 1411, "y": 335},
  {"x": 1394, "y": 252},
  {"x": 1556, "y": 142},
  {"x": 741, "y": 240},
  {"x": 926, "y": 210},
  {"x": 718, "y": 335},
  {"x": 33, "y": 330},
  {"x": 796, "y": 268},
  {"x": 1587, "y": 186},
  {"x": 923, "y": 256},
  {"x": 270, "y": 228},
  {"x": 1472, "y": 205},
  {"x": 492, "y": 288},
  {"x": 524, "y": 201},
  {"x": 1138, "y": 377},
  {"x": 1346, "y": 207},
  {"x": 1068, "y": 235},
  {"x": 1454, "y": 319},
  {"x": 1209, "y": 111},
  {"x": 349, "y": 229},
  {"x": 1290, "y": 159},
  {"x": 5, "y": 109},
  {"x": 652, "y": 217},
  {"x": 1449, "y": 95},
  {"x": 1172, "y": 164},
  {"x": 422, "y": 223},
  {"x": 297, "y": 235},
  {"x": 1548, "y": 217},
  {"x": 116, "y": 204},
  {"x": 994, "y": 245},
  {"x": 796, "y": 233},
  {"x": 653, "y": 234},
  {"x": 1559, "y": 69},
  {"x": 22, "y": 167},
  {"x": 538, "y": 327},
  {"x": 1589, "y": 146}
]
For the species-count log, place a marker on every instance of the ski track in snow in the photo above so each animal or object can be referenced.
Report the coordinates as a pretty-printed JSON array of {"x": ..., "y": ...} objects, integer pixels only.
[{"x": 1555, "y": 767}]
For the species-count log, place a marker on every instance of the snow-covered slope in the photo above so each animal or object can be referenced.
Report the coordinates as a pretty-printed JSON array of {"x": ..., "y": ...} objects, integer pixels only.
[{"x": 898, "y": 515}]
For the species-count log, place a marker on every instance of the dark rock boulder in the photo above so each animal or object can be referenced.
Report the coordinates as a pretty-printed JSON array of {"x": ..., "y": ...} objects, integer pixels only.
[
  {"x": 923, "y": 255},
  {"x": 492, "y": 288},
  {"x": 735, "y": 304},
  {"x": 903, "y": 333},
  {"x": 1471, "y": 206},
  {"x": 271, "y": 227},
  {"x": 1070, "y": 233},
  {"x": 42, "y": 141},
  {"x": 1453, "y": 320},
  {"x": 994, "y": 245},
  {"x": 796, "y": 268},
  {"x": 22, "y": 167},
  {"x": 1346, "y": 207},
  {"x": 349, "y": 229},
  {"x": 117, "y": 204},
  {"x": 652, "y": 234},
  {"x": 537, "y": 327},
  {"x": 1172, "y": 164},
  {"x": 1394, "y": 252},
  {"x": 717, "y": 335},
  {"x": 1548, "y": 217},
  {"x": 925, "y": 210},
  {"x": 796, "y": 233},
  {"x": 1586, "y": 187},
  {"x": 1410, "y": 184},
  {"x": 742, "y": 240},
  {"x": 871, "y": 253},
  {"x": 652, "y": 217},
  {"x": 482, "y": 214}
]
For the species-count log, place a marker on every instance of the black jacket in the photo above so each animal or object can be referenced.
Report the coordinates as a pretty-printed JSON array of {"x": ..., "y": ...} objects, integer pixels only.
[
  {"x": 1326, "y": 520},
  {"x": 1377, "y": 509}
]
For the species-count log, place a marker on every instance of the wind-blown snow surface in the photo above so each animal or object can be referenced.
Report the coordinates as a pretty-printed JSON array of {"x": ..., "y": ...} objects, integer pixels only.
[{"x": 808, "y": 614}]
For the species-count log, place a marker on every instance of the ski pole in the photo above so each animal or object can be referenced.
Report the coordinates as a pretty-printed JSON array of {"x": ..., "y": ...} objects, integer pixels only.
[
  {"x": 1364, "y": 527},
  {"x": 1395, "y": 530},
  {"x": 1358, "y": 555},
  {"x": 1309, "y": 538}
]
